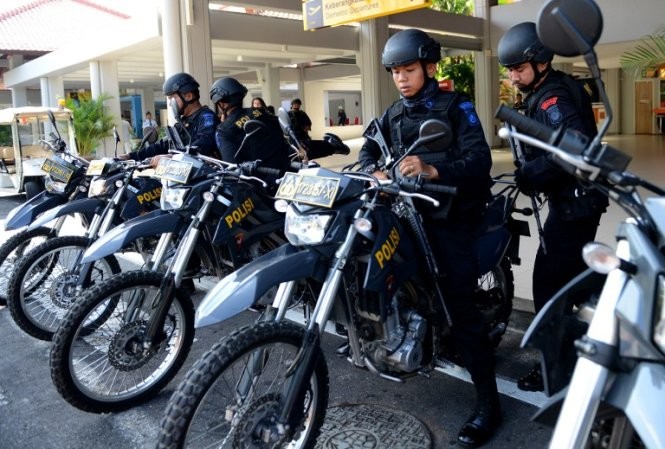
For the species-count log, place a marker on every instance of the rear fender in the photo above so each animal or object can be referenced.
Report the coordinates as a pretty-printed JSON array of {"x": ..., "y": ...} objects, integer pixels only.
[
  {"x": 83, "y": 206},
  {"x": 242, "y": 288},
  {"x": 554, "y": 330},
  {"x": 24, "y": 214},
  {"x": 154, "y": 223}
]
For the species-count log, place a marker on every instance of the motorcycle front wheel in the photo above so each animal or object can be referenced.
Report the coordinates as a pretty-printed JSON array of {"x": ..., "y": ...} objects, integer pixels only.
[
  {"x": 42, "y": 287},
  {"x": 14, "y": 249},
  {"x": 231, "y": 396},
  {"x": 612, "y": 429},
  {"x": 110, "y": 365}
]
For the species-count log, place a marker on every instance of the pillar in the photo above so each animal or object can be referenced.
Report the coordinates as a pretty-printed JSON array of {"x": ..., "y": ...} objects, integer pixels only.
[
  {"x": 19, "y": 94},
  {"x": 378, "y": 91}
]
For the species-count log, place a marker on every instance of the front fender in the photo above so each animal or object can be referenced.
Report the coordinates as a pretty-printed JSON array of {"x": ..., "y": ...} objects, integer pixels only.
[
  {"x": 154, "y": 223},
  {"x": 242, "y": 288},
  {"x": 83, "y": 206},
  {"x": 24, "y": 214},
  {"x": 554, "y": 330}
]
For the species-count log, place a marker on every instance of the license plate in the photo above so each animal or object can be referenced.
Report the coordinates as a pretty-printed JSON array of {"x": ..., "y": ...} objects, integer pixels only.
[
  {"x": 96, "y": 168},
  {"x": 172, "y": 170},
  {"x": 58, "y": 170},
  {"x": 308, "y": 189}
]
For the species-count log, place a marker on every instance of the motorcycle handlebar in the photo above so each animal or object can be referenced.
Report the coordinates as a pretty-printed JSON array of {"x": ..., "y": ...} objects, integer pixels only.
[
  {"x": 438, "y": 188},
  {"x": 525, "y": 124}
]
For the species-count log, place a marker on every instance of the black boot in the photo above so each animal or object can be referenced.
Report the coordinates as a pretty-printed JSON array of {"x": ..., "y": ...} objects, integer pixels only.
[
  {"x": 532, "y": 381},
  {"x": 485, "y": 419}
]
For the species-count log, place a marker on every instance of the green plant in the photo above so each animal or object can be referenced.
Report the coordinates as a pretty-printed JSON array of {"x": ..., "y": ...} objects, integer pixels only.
[
  {"x": 6, "y": 136},
  {"x": 649, "y": 53},
  {"x": 92, "y": 122}
]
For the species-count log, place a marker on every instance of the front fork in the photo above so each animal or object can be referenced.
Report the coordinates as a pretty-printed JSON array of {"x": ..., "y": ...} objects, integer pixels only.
[{"x": 591, "y": 379}]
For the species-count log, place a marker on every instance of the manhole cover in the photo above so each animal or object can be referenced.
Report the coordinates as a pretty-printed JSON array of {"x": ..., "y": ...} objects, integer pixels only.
[{"x": 365, "y": 426}]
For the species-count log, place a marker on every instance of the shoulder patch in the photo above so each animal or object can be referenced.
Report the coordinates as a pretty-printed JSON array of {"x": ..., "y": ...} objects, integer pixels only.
[
  {"x": 208, "y": 120},
  {"x": 549, "y": 102},
  {"x": 470, "y": 112},
  {"x": 554, "y": 114}
]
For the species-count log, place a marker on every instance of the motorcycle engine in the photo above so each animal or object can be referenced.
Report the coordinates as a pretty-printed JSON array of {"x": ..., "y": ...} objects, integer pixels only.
[{"x": 397, "y": 344}]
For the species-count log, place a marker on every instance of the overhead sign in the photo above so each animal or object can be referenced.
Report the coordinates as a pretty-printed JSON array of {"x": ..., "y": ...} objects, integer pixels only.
[{"x": 325, "y": 13}]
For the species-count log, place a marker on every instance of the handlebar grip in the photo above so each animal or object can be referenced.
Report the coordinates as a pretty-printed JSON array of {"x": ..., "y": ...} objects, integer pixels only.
[
  {"x": 438, "y": 188},
  {"x": 524, "y": 123},
  {"x": 268, "y": 171}
]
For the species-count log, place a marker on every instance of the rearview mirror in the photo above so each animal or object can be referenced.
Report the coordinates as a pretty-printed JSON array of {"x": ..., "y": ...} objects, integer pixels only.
[
  {"x": 284, "y": 119},
  {"x": 435, "y": 135},
  {"x": 570, "y": 27}
]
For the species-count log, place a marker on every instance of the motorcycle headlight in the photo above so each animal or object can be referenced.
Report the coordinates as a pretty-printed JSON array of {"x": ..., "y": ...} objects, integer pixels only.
[
  {"x": 97, "y": 187},
  {"x": 172, "y": 198},
  {"x": 305, "y": 229},
  {"x": 53, "y": 186},
  {"x": 659, "y": 315}
]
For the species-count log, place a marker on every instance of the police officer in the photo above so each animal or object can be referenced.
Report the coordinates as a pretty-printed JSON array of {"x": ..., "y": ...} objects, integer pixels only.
[
  {"x": 197, "y": 122},
  {"x": 554, "y": 99},
  {"x": 302, "y": 125},
  {"x": 411, "y": 56},
  {"x": 268, "y": 144}
]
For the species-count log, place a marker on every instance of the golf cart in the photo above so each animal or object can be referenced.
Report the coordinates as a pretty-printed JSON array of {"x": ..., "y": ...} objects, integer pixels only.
[{"x": 22, "y": 150}]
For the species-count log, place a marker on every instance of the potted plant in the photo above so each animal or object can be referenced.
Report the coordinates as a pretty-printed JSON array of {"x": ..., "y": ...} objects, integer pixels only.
[
  {"x": 92, "y": 122},
  {"x": 649, "y": 53}
]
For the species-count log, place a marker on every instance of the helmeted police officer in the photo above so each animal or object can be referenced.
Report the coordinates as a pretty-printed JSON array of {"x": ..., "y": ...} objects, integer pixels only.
[
  {"x": 197, "y": 122},
  {"x": 554, "y": 99},
  {"x": 411, "y": 56},
  {"x": 268, "y": 144}
]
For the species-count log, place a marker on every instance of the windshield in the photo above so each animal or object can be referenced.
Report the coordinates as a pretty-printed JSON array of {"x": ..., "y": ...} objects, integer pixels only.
[{"x": 32, "y": 129}]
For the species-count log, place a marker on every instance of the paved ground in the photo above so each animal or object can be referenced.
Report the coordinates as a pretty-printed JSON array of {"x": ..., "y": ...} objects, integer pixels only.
[{"x": 32, "y": 414}]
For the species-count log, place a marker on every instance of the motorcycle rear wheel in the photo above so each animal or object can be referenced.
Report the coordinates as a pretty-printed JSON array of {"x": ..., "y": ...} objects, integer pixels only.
[
  {"x": 209, "y": 408},
  {"x": 108, "y": 366},
  {"x": 42, "y": 287},
  {"x": 14, "y": 249}
]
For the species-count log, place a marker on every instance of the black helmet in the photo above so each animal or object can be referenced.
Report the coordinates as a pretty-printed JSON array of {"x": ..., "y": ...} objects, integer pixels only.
[
  {"x": 521, "y": 44},
  {"x": 180, "y": 83},
  {"x": 228, "y": 90},
  {"x": 408, "y": 46}
]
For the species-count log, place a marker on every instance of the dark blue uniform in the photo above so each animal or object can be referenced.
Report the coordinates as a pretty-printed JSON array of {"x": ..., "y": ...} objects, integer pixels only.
[
  {"x": 452, "y": 234},
  {"x": 200, "y": 126},
  {"x": 574, "y": 211},
  {"x": 268, "y": 144}
]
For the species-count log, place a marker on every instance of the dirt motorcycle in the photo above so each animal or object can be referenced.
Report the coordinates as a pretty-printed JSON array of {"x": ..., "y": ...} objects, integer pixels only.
[
  {"x": 46, "y": 282},
  {"x": 604, "y": 363},
  {"x": 64, "y": 181},
  {"x": 267, "y": 384},
  {"x": 219, "y": 214}
]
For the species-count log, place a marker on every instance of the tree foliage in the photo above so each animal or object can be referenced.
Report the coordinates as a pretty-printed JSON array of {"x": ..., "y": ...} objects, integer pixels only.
[
  {"x": 92, "y": 122},
  {"x": 460, "y": 68},
  {"x": 649, "y": 53}
]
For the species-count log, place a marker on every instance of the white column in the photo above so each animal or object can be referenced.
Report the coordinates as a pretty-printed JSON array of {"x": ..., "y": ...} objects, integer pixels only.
[
  {"x": 171, "y": 37},
  {"x": 53, "y": 88},
  {"x": 196, "y": 45},
  {"x": 19, "y": 94},
  {"x": 45, "y": 91},
  {"x": 378, "y": 91},
  {"x": 148, "y": 101},
  {"x": 271, "y": 92},
  {"x": 108, "y": 85},
  {"x": 487, "y": 80},
  {"x": 95, "y": 79}
]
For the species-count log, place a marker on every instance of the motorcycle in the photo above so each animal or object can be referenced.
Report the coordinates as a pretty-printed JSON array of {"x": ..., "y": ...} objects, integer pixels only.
[
  {"x": 221, "y": 216},
  {"x": 64, "y": 181},
  {"x": 603, "y": 364},
  {"x": 268, "y": 383},
  {"x": 46, "y": 282}
]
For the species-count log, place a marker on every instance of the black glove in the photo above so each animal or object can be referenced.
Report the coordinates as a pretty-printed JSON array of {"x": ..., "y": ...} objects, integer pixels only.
[
  {"x": 524, "y": 179},
  {"x": 336, "y": 142}
]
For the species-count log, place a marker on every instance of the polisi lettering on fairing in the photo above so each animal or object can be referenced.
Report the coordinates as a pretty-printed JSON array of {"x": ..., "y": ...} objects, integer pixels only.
[
  {"x": 152, "y": 195},
  {"x": 239, "y": 213},
  {"x": 388, "y": 248}
]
